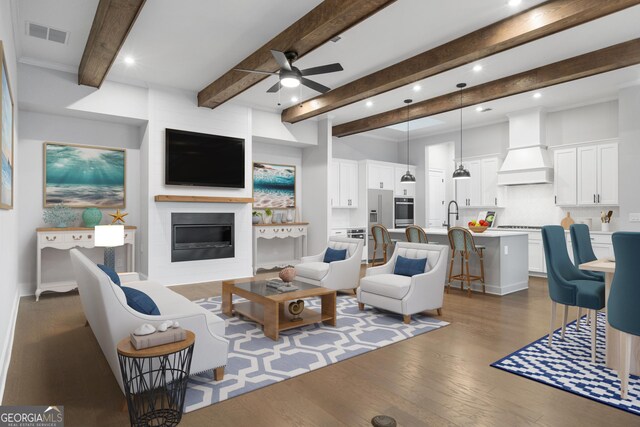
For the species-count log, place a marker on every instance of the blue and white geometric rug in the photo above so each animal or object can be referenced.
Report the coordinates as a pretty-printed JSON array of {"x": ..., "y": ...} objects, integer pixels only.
[
  {"x": 256, "y": 361},
  {"x": 568, "y": 366}
]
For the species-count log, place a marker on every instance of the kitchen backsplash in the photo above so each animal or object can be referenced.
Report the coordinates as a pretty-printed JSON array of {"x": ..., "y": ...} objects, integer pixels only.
[{"x": 534, "y": 205}]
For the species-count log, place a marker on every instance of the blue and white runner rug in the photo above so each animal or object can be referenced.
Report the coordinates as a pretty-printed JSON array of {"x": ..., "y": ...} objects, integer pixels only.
[
  {"x": 256, "y": 361},
  {"x": 568, "y": 366}
]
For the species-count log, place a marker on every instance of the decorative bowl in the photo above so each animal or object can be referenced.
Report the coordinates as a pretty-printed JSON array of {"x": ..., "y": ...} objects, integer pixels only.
[
  {"x": 288, "y": 274},
  {"x": 478, "y": 228}
]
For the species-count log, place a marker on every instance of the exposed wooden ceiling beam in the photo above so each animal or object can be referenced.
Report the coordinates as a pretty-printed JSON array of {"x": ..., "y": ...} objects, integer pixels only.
[
  {"x": 539, "y": 21},
  {"x": 592, "y": 63},
  {"x": 111, "y": 25},
  {"x": 327, "y": 20}
]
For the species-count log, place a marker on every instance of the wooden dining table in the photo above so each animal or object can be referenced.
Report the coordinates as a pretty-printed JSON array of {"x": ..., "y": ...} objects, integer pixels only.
[{"x": 613, "y": 356}]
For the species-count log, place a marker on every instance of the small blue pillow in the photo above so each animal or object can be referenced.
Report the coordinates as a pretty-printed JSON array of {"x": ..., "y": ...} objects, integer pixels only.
[
  {"x": 410, "y": 266},
  {"x": 140, "y": 301},
  {"x": 111, "y": 273},
  {"x": 332, "y": 255}
]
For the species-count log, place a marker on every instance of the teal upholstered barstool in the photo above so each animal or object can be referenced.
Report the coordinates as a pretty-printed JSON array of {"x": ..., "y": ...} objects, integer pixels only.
[
  {"x": 583, "y": 253},
  {"x": 624, "y": 295},
  {"x": 381, "y": 239},
  {"x": 415, "y": 234},
  {"x": 569, "y": 285},
  {"x": 462, "y": 243}
]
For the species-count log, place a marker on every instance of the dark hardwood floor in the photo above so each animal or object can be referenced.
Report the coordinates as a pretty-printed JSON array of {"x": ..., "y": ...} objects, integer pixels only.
[{"x": 439, "y": 378}]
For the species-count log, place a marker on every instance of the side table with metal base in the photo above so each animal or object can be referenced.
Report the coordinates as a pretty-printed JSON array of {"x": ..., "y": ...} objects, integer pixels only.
[{"x": 155, "y": 380}]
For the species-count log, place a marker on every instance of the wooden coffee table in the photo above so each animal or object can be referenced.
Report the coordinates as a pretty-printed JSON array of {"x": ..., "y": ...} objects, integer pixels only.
[{"x": 269, "y": 307}]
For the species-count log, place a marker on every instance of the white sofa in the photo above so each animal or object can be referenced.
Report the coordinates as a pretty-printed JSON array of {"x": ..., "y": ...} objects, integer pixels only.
[
  {"x": 406, "y": 295},
  {"x": 111, "y": 319},
  {"x": 337, "y": 275}
]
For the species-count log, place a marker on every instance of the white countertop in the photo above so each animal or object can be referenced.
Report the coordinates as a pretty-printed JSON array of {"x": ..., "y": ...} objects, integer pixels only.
[
  {"x": 511, "y": 230},
  {"x": 492, "y": 233}
]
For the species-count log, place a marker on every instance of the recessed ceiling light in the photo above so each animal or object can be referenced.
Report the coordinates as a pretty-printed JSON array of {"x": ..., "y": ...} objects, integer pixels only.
[
  {"x": 416, "y": 88},
  {"x": 514, "y": 3},
  {"x": 537, "y": 95},
  {"x": 479, "y": 108},
  {"x": 129, "y": 60},
  {"x": 477, "y": 68},
  {"x": 294, "y": 99},
  {"x": 369, "y": 104}
]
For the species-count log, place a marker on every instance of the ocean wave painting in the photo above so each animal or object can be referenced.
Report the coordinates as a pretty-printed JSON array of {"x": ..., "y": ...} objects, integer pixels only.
[
  {"x": 83, "y": 176},
  {"x": 274, "y": 186},
  {"x": 6, "y": 139}
]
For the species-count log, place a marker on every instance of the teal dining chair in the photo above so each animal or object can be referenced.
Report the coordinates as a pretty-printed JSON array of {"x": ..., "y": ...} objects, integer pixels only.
[
  {"x": 624, "y": 295},
  {"x": 569, "y": 285},
  {"x": 381, "y": 239},
  {"x": 582, "y": 249}
]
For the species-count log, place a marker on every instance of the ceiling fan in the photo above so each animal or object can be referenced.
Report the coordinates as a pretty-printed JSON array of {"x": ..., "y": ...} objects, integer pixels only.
[{"x": 291, "y": 76}]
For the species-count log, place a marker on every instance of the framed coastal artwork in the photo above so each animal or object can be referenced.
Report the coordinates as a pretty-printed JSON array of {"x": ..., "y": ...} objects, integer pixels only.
[
  {"x": 83, "y": 176},
  {"x": 6, "y": 137},
  {"x": 274, "y": 186}
]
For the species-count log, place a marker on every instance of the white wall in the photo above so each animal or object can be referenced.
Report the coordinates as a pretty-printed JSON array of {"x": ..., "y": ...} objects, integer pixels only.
[
  {"x": 629, "y": 156},
  {"x": 268, "y": 127},
  {"x": 34, "y": 130},
  {"x": 177, "y": 109},
  {"x": 362, "y": 147},
  {"x": 280, "y": 249},
  {"x": 9, "y": 219},
  {"x": 315, "y": 189}
]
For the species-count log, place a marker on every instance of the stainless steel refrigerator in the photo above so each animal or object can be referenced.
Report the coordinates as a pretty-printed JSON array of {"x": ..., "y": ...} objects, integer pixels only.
[{"x": 380, "y": 211}]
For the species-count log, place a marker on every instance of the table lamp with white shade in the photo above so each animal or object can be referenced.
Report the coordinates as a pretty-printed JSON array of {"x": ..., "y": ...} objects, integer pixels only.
[{"x": 108, "y": 237}]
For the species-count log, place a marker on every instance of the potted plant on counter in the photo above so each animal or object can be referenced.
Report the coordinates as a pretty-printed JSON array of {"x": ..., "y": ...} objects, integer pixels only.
[{"x": 268, "y": 213}]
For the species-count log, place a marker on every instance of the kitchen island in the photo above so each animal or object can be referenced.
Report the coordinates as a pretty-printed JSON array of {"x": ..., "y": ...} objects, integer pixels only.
[{"x": 506, "y": 258}]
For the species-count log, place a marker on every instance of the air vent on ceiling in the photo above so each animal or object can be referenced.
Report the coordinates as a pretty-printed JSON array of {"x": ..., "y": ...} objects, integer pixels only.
[{"x": 47, "y": 33}]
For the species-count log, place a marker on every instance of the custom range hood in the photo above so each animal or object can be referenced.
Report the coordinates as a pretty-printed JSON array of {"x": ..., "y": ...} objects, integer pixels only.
[{"x": 527, "y": 160}]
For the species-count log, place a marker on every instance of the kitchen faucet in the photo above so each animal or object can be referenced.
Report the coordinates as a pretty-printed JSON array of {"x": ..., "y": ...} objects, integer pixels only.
[{"x": 449, "y": 213}]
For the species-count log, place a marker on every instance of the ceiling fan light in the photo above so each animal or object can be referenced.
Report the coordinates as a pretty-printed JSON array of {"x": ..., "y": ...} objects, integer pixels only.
[
  {"x": 461, "y": 173},
  {"x": 408, "y": 178},
  {"x": 290, "y": 81}
]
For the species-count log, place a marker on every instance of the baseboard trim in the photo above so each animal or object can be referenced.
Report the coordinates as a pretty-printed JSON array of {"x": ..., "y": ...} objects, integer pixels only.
[{"x": 5, "y": 356}]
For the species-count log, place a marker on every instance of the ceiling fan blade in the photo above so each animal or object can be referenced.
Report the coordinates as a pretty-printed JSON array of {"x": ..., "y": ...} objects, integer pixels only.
[
  {"x": 314, "y": 85},
  {"x": 274, "y": 88},
  {"x": 329, "y": 68},
  {"x": 281, "y": 59},
  {"x": 255, "y": 71}
]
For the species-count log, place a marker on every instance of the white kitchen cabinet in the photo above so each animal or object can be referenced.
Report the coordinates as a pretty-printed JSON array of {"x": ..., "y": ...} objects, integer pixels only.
[
  {"x": 380, "y": 176},
  {"x": 536, "y": 257},
  {"x": 344, "y": 194},
  {"x": 608, "y": 174},
  {"x": 565, "y": 176},
  {"x": 587, "y": 175},
  {"x": 481, "y": 190},
  {"x": 402, "y": 189}
]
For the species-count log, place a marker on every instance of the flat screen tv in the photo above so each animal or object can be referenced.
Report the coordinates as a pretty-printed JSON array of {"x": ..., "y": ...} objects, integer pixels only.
[{"x": 203, "y": 160}]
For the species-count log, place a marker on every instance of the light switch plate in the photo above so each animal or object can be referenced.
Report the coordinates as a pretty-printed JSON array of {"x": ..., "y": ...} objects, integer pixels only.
[{"x": 634, "y": 217}]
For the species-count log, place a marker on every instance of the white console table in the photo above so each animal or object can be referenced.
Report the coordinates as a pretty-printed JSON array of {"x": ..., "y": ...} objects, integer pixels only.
[
  {"x": 69, "y": 238},
  {"x": 296, "y": 230}
]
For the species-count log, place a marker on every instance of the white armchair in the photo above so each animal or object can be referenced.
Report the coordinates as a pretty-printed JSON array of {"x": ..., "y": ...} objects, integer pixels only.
[
  {"x": 337, "y": 275},
  {"x": 406, "y": 295}
]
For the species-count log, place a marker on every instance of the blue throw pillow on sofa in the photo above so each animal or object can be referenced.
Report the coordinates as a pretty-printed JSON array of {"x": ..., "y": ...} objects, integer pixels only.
[
  {"x": 409, "y": 266},
  {"x": 332, "y": 255},
  {"x": 140, "y": 301},
  {"x": 111, "y": 273}
]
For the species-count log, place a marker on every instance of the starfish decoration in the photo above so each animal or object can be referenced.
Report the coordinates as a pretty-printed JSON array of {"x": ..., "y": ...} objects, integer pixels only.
[{"x": 118, "y": 216}]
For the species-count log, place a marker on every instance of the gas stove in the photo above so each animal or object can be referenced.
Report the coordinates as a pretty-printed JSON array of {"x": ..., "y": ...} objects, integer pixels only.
[{"x": 521, "y": 227}]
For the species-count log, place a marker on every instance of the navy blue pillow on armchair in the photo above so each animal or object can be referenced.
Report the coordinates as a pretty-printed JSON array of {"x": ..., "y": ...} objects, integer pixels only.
[
  {"x": 111, "y": 273},
  {"x": 332, "y": 255},
  {"x": 409, "y": 266}
]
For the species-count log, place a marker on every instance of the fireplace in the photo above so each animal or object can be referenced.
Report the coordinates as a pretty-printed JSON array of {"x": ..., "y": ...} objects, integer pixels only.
[{"x": 199, "y": 236}]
